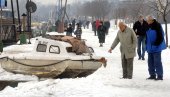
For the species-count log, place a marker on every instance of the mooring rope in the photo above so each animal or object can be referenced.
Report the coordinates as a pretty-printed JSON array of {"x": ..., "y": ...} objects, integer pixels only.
[{"x": 33, "y": 65}]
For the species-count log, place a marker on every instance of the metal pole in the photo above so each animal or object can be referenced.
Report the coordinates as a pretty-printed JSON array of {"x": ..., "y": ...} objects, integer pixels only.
[
  {"x": 1, "y": 43},
  {"x": 27, "y": 18},
  {"x": 1, "y": 25},
  {"x": 19, "y": 21},
  {"x": 29, "y": 26},
  {"x": 12, "y": 6}
]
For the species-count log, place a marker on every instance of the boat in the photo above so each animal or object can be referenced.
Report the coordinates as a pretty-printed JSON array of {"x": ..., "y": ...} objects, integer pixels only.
[{"x": 52, "y": 56}]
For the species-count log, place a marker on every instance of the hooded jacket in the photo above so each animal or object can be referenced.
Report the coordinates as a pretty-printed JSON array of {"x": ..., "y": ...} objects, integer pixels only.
[{"x": 155, "y": 38}]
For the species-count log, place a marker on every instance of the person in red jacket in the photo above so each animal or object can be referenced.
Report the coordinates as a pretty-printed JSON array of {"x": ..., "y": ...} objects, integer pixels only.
[{"x": 97, "y": 24}]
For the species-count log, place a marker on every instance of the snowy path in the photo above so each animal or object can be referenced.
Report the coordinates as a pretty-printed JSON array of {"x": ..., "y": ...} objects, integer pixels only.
[{"x": 105, "y": 82}]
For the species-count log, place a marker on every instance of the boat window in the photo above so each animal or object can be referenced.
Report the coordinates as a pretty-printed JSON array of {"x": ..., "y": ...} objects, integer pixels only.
[
  {"x": 69, "y": 49},
  {"x": 54, "y": 49},
  {"x": 41, "y": 48},
  {"x": 91, "y": 49}
]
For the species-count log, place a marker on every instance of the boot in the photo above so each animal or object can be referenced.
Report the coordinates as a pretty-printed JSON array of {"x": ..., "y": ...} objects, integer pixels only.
[
  {"x": 143, "y": 58},
  {"x": 159, "y": 78},
  {"x": 101, "y": 45},
  {"x": 152, "y": 77}
]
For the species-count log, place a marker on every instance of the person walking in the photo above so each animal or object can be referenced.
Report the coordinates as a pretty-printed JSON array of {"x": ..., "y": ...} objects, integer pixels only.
[
  {"x": 73, "y": 24},
  {"x": 87, "y": 24},
  {"x": 140, "y": 27},
  {"x": 97, "y": 24},
  {"x": 128, "y": 40},
  {"x": 107, "y": 25},
  {"x": 94, "y": 27},
  {"x": 101, "y": 32},
  {"x": 78, "y": 31},
  {"x": 69, "y": 30},
  {"x": 155, "y": 43}
]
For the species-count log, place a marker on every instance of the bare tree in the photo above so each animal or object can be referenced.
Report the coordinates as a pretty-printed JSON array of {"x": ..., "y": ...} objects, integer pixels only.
[
  {"x": 162, "y": 7},
  {"x": 97, "y": 8},
  {"x": 135, "y": 8},
  {"x": 129, "y": 9}
]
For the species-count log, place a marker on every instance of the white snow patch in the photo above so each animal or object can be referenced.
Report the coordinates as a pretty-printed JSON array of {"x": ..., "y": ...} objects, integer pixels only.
[{"x": 105, "y": 82}]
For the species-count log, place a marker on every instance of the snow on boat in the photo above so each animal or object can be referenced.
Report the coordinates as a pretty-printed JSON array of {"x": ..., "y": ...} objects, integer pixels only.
[{"x": 53, "y": 56}]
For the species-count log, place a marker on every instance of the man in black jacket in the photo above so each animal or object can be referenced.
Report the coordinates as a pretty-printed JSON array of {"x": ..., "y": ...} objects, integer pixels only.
[
  {"x": 140, "y": 27},
  {"x": 107, "y": 25},
  {"x": 101, "y": 32}
]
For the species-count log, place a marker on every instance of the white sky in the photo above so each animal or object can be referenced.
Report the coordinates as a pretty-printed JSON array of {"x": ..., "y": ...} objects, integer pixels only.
[{"x": 46, "y": 2}]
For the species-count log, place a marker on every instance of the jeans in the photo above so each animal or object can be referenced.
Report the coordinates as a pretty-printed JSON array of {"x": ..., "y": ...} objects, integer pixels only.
[
  {"x": 141, "y": 42},
  {"x": 155, "y": 64}
]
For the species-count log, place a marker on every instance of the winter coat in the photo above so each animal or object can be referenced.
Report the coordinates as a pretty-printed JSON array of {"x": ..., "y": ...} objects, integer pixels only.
[
  {"x": 128, "y": 41},
  {"x": 140, "y": 29},
  {"x": 107, "y": 24},
  {"x": 155, "y": 38},
  {"x": 69, "y": 31},
  {"x": 78, "y": 33},
  {"x": 94, "y": 26},
  {"x": 73, "y": 24},
  {"x": 97, "y": 24},
  {"x": 101, "y": 31}
]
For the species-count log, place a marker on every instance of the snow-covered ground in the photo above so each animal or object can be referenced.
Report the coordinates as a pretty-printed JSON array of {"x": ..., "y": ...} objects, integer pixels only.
[{"x": 105, "y": 82}]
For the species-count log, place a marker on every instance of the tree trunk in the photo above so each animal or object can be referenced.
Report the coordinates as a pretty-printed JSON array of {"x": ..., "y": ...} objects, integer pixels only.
[{"x": 166, "y": 30}]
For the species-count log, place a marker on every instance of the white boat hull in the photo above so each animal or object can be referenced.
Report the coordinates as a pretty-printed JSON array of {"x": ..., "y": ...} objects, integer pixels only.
[
  {"x": 34, "y": 67},
  {"x": 51, "y": 68},
  {"x": 80, "y": 68}
]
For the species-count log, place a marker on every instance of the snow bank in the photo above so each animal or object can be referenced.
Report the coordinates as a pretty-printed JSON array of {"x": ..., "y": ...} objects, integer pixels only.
[{"x": 105, "y": 82}]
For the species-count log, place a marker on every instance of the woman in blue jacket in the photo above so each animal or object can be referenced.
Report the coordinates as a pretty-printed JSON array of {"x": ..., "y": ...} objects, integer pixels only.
[{"x": 155, "y": 43}]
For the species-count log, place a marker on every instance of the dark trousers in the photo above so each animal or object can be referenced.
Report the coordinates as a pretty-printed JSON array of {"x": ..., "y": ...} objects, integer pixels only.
[
  {"x": 127, "y": 65},
  {"x": 95, "y": 32},
  {"x": 107, "y": 31},
  {"x": 141, "y": 47},
  {"x": 155, "y": 64}
]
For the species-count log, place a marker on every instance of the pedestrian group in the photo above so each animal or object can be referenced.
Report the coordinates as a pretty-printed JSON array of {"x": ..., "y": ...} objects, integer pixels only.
[{"x": 146, "y": 35}]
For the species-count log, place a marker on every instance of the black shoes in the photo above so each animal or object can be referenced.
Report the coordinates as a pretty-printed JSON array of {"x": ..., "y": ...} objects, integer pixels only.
[
  {"x": 153, "y": 77},
  {"x": 126, "y": 78},
  {"x": 141, "y": 58},
  {"x": 159, "y": 78},
  {"x": 101, "y": 45}
]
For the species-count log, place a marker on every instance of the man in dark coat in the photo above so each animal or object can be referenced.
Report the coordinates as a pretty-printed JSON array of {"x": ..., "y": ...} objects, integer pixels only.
[
  {"x": 140, "y": 27},
  {"x": 101, "y": 31},
  {"x": 69, "y": 30},
  {"x": 73, "y": 24},
  {"x": 107, "y": 25},
  {"x": 78, "y": 31},
  {"x": 155, "y": 43},
  {"x": 57, "y": 24},
  {"x": 87, "y": 24},
  {"x": 94, "y": 27}
]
